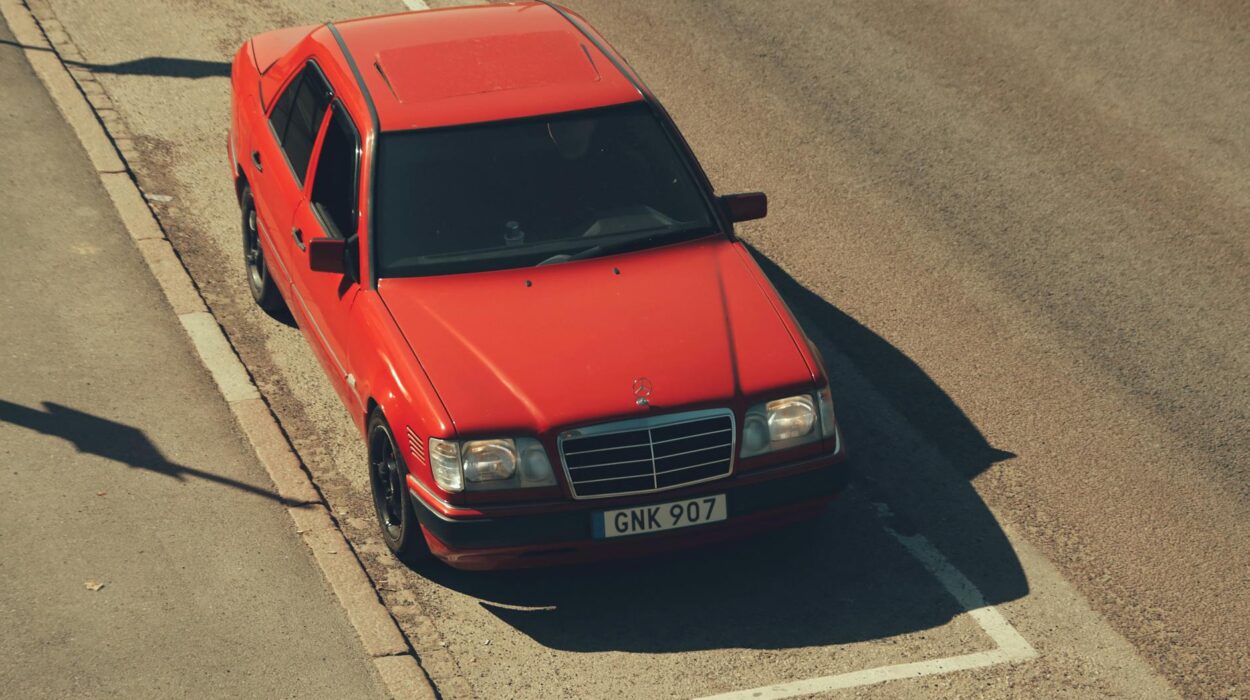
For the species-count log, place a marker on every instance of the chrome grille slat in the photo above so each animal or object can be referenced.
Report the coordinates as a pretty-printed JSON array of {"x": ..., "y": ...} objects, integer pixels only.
[
  {"x": 611, "y": 464},
  {"x": 690, "y": 452},
  {"x": 692, "y": 466},
  {"x": 605, "y": 449},
  {"x": 648, "y": 475},
  {"x": 687, "y": 437},
  {"x": 634, "y": 458}
]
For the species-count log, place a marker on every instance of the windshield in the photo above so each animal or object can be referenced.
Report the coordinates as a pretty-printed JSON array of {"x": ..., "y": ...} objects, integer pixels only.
[{"x": 520, "y": 193}]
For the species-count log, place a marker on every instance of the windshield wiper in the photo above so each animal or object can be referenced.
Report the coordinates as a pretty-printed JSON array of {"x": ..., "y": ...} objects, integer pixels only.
[
  {"x": 586, "y": 252},
  {"x": 614, "y": 246}
]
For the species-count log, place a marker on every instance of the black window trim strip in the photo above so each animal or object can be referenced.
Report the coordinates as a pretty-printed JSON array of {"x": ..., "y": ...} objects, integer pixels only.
[{"x": 372, "y": 141}]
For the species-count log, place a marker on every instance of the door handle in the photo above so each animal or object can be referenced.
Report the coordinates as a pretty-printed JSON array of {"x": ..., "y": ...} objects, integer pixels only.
[
  {"x": 298, "y": 235},
  {"x": 256, "y": 162}
]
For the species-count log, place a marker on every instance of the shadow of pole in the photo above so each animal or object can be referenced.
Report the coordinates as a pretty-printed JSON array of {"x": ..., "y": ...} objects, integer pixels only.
[
  {"x": 117, "y": 442},
  {"x": 157, "y": 66}
]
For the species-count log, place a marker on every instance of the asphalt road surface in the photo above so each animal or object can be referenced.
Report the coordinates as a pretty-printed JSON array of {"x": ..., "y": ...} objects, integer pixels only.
[{"x": 1019, "y": 232}]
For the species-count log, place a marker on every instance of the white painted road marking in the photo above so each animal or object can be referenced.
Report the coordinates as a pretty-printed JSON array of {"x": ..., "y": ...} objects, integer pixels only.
[
  {"x": 416, "y": 5},
  {"x": 1010, "y": 647}
]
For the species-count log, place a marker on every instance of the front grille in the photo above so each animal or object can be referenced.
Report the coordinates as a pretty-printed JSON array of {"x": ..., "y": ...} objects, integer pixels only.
[{"x": 649, "y": 454}]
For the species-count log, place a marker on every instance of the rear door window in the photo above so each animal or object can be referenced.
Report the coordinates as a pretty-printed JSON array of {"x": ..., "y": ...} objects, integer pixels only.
[
  {"x": 282, "y": 109},
  {"x": 297, "y": 115}
]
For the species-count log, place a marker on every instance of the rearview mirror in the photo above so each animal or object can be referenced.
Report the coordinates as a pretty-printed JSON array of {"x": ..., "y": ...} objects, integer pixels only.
[
  {"x": 745, "y": 206},
  {"x": 327, "y": 255}
]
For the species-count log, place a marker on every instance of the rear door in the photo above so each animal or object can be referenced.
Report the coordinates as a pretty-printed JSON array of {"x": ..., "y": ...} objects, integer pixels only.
[{"x": 280, "y": 162}]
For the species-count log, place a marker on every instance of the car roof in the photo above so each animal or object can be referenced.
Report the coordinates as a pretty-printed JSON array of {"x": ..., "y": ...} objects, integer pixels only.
[{"x": 465, "y": 65}]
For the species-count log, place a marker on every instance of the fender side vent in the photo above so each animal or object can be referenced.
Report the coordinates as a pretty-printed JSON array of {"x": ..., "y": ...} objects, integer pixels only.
[{"x": 415, "y": 447}]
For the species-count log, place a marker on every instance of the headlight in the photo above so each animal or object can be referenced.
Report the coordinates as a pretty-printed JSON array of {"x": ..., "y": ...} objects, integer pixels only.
[
  {"x": 790, "y": 418},
  {"x": 779, "y": 424},
  {"x": 489, "y": 460},
  {"x": 485, "y": 465}
]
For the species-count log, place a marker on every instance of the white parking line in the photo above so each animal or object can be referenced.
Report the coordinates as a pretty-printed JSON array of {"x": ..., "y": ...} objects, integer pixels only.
[
  {"x": 416, "y": 4},
  {"x": 1010, "y": 647}
]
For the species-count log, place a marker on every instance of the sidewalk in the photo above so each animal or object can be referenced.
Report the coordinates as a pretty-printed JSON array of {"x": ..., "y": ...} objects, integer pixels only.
[{"x": 120, "y": 466}]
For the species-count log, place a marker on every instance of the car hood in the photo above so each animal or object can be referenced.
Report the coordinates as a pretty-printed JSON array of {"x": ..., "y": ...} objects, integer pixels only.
[{"x": 546, "y": 347}]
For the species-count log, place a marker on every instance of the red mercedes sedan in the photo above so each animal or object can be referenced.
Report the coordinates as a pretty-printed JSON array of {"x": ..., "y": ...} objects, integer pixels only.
[{"x": 523, "y": 288}]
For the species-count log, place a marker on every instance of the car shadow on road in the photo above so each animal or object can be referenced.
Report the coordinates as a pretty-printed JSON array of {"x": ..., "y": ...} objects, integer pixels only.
[
  {"x": 118, "y": 442},
  {"x": 161, "y": 66},
  {"x": 840, "y": 579},
  {"x": 282, "y": 315}
]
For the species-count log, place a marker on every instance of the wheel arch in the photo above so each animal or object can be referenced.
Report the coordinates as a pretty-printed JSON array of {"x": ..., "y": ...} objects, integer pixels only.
[
  {"x": 240, "y": 182},
  {"x": 411, "y": 410}
]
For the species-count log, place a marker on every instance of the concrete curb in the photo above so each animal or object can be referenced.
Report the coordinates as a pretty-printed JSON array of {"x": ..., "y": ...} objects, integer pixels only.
[{"x": 381, "y": 637}]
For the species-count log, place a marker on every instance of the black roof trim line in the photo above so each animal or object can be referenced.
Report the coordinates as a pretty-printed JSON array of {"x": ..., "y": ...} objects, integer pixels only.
[{"x": 372, "y": 282}]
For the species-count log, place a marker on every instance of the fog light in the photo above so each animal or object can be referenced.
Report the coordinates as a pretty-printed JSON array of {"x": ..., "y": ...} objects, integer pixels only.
[
  {"x": 535, "y": 467},
  {"x": 754, "y": 434}
]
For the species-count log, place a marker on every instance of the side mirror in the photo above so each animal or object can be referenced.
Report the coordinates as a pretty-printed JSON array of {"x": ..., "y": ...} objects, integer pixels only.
[
  {"x": 745, "y": 206},
  {"x": 327, "y": 255}
]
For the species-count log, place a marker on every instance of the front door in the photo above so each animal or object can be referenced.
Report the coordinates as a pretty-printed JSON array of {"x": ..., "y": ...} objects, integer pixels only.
[{"x": 331, "y": 210}]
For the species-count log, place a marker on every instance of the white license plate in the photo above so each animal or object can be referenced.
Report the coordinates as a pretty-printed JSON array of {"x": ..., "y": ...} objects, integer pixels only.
[{"x": 661, "y": 516}]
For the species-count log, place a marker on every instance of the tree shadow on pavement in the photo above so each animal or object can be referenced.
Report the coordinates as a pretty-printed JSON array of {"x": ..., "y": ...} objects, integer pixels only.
[
  {"x": 162, "y": 66},
  {"x": 840, "y": 579},
  {"x": 114, "y": 441}
]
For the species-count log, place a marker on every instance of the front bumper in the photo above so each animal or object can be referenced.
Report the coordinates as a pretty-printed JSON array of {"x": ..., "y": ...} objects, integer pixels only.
[{"x": 756, "y": 501}]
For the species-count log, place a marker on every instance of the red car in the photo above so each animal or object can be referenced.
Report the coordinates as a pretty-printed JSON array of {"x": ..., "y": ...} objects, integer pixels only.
[{"x": 524, "y": 290}]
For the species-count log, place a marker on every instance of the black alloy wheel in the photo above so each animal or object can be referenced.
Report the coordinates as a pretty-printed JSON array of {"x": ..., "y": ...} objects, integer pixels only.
[
  {"x": 259, "y": 281},
  {"x": 388, "y": 482}
]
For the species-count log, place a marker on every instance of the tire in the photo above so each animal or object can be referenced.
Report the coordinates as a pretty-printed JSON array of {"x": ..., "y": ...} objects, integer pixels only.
[
  {"x": 259, "y": 281},
  {"x": 391, "y": 502}
]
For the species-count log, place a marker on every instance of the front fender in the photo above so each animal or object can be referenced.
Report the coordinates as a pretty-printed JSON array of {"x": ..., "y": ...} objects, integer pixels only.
[{"x": 392, "y": 379}]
